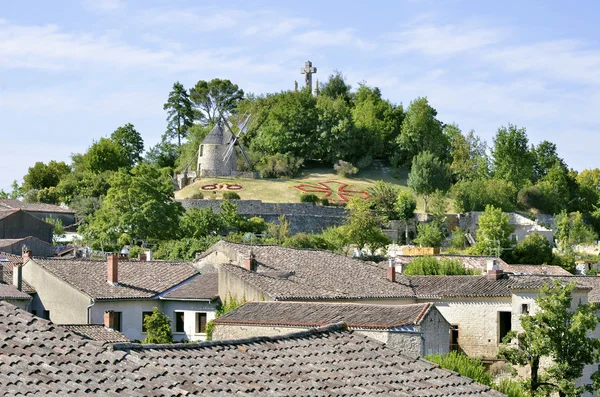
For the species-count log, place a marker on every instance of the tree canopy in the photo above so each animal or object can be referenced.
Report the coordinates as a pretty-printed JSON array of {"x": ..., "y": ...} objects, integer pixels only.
[
  {"x": 215, "y": 97},
  {"x": 427, "y": 175},
  {"x": 180, "y": 114}
]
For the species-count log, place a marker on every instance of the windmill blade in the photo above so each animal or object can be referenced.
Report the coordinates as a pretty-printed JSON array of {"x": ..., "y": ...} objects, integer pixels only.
[
  {"x": 244, "y": 125},
  {"x": 245, "y": 157},
  {"x": 229, "y": 150}
]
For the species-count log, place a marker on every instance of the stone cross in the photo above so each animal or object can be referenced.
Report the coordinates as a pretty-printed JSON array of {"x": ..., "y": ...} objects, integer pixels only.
[{"x": 308, "y": 71}]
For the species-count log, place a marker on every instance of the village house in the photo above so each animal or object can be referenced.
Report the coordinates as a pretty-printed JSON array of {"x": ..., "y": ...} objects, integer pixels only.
[
  {"x": 480, "y": 309},
  {"x": 415, "y": 330},
  {"x": 330, "y": 360},
  {"x": 120, "y": 293},
  {"x": 40, "y": 210}
]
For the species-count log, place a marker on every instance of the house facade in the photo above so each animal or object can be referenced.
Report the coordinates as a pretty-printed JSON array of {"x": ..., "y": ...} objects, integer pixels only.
[
  {"x": 18, "y": 224},
  {"x": 119, "y": 294}
]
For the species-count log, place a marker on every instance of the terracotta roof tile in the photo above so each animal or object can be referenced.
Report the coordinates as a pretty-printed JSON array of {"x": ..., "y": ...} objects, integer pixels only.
[
  {"x": 97, "y": 332},
  {"x": 137, "y": 279},
  {"x": 310, "y": 314},
  {"x": 42, "y": 358},
  {"x": 10, "y": 204},
  {"x": 9, "y": 291},
  {"x": 7, "y": 262},
  {"x": 203, "y": 286}
]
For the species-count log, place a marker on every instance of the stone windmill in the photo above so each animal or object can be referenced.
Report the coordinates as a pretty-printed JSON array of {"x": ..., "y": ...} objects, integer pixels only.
[{"x": 217, "y": 155}]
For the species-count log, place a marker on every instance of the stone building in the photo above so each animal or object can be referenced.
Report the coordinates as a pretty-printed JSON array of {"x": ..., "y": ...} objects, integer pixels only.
[
  {"x": 327, "y": 361},
  {"x": 17, "y": 224},
  {"x": 211, "y": 154},
  {"x": 469, "y": 222},
  {"x": 120, "y": 293},
  {"x": 41, "y": 210},
  {"x": 415, "y": 330}
]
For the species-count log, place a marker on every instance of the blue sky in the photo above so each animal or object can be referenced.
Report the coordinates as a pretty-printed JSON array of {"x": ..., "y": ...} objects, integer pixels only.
[{"x": 72, "y": 74}]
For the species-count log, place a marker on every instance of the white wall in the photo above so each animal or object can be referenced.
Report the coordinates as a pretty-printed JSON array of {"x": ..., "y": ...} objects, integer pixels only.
[{"x": 189, "y": 308}]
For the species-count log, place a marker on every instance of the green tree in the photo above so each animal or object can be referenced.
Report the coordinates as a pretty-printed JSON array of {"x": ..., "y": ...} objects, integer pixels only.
[
  {"x": 140, "y": 204},
  {"x": 105, "y": 155},
  {"x": 42, "y": 176},
  {"x": 405, "y": 208},
  {"x": 280, "y": 230},
  {"x": 215, "y": 97},
  {"x": 561, "y": 334},
  {"x": 512, "y": 159},
  {"x": 383, "y": 198},
  {"x": 184, "y": 249},
  {"x": 458, "y": 239},
  {"x": 469, "y": 157},
  {"x": 290, "y": 126},
  {"x": 362, "y": 226},
  {"x": 535, "y": 249},
  {"x": 158, "y": 328},
  {"x": 336, "y": 239},
  {"x": 180, "y": 113},
  {"x": 427, "y": 175},
  {"x": 59, "y": 230},
  {"x": 477, "y": 194},
  {"x": 163, "y": 154},
  {"x": 555, "y": 187},
  {"x": 429, "y": 235},
  {"x": 337, "y": 136},
  {"x": 48, "y": 195},
  {"x": 131, "y": 143},
  {"x": 197, "y": 223},
  {"x": 545, "y": 157},
  {"x": 590, "y": 177},
  {"x": 336, "y": 87},
  {"x": 420, "y": 132},
  {"x": 377, "y": 120},
  {"x": 493, "y": 233}
]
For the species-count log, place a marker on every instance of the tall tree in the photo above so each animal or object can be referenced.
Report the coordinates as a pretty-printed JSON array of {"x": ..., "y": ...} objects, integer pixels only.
[
  {"x": 421, "y": 131},
  {"x": 130, "y": 141},
  {"x": 336, "y": 87},
  {"x": 427, "y": 175},
  {"x": 383, "y": 198},
  {"x": 42, "y": 176},
  {"x": 512, "y": 159},
  {"x": 163, "y": 154},
  {"x": 105, "y": 155},
  {"x": 405, "y": 208},
  {"x": 363, "y": 227},
  {"x": 180, "y": 112},
  {"x": 214, "y": 97},
  {"x": 138, "y": 204},
  {"x": 468, "y": 152},
  {"x": 561, "y": 335},
  {"x": 493, "y": 233},
  {"x": 337, "y": 136},
  {"x": 545, "y": 157}
]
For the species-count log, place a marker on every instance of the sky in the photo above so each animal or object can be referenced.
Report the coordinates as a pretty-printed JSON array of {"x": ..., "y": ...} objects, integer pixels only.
[{"x": 71, "y": 72}]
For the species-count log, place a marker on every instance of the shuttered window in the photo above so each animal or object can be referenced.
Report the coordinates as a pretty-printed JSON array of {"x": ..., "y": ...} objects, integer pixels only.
[{"x": 200, "y": 323}]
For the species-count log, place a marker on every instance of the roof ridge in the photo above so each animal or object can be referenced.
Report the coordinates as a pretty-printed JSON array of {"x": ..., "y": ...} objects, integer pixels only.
[{"x": 336, "y": 327}]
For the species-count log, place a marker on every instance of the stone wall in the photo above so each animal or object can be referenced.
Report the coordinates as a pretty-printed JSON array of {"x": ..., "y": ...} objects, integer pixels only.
[{"x": 303, "y": 217}]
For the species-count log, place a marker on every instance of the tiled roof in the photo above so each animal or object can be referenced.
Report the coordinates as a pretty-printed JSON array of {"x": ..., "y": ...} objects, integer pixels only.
[
  {"x": 8, "y": 291},
  {"x": 288, "y": 273},
  {"x": 459, "y": 286},
  {"x": 11, "y": 204},
  {"x": 583, "y": 282},
  {"x": 203, "y": 286},
  {"x": 42, "y": 358},
  {"x": 7, "y": 262},
  {"x": 536, "y": 270},
  {"x": 7, "y": 242},
  {"x": 97, "y": 332},
  {"x": 309, "y": 314},
  {"x": 137, "y": 279},
  {"x": 6, "y": 212}
]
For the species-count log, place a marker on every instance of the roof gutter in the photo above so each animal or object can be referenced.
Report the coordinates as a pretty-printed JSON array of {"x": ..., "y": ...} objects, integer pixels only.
[{"x": 87, "y": 311}]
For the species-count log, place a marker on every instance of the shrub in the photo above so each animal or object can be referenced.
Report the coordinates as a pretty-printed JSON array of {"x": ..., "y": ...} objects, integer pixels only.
[
  {"x": 458, "y": 362},
  {"x": 365, "y": 162},
  {"x": 476, "y": 195},
  {"x": 345, "y": 168},
  {"x": 430, "y": 266},
  {"x": 183, "y": 249},
  {"x": 231, "y": 196},
  {"x": 197, "y": 196},
  {"x": 532, "y": 197},
  {"x": 280, "y": 166},
  {"x": 533, "y": 250},
  {"x": 158, "y": 328},
  {"x": 511, "y": 388},
  {"x": 429, "y": 235},
  {"x": 325, "y": 202},
  {"x": 458, "y": 240},
  {"x": 309, "y": 198},
  {"x": 305, "y": 240}
]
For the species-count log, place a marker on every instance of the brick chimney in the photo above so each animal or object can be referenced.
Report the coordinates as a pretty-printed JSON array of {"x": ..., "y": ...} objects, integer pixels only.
[
  {"x": 109, "y": 319},
  {"x": 493, "y": 270},
  {"x": 142, "y": 257},
  {"x": 391, "y": 272},
  {"x": 250, "y": 262},
  {"x": 113, "y": 269}
]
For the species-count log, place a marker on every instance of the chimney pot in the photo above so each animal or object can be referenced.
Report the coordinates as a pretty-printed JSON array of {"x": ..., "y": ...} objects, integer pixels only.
[
  {"x": 495, "y": 274},
  {"x": 113, "y": 269},
  {"x": 391, "y": 272}
]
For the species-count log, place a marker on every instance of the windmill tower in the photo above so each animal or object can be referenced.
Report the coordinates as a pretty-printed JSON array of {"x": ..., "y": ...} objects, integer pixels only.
[{"x": 217, "y": 155}]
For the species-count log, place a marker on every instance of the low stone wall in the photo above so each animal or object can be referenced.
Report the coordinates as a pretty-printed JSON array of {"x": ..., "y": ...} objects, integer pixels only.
[{"x": 303, "y": 217}]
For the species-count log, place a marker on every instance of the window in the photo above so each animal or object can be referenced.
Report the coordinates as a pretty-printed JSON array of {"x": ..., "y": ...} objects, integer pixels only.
[
  {"x": 179, "y": 322},
  {"x": 524, "y": 308},
  {"x": 200, "y": 323},
  {"x": 454, "y": 338},
  {"x": 46, "y": 314},
  {"x": 144, "y": 315}
]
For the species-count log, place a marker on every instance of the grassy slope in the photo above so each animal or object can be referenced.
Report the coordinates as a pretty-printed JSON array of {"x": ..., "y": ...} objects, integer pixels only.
[{"x": 283, "y": 191}]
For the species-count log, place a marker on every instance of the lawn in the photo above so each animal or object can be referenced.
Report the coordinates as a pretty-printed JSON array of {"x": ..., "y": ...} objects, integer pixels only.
[{"x": 319, "y": 181}]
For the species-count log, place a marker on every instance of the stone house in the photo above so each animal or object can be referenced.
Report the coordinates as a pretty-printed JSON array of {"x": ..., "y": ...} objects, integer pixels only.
[
  {"x": 415, "y": 330},
  {"x": 41, "y": 210},
  {"x": 478, "y": 308},
  {"x": 120, "y": 293},
  {"x": 326, "y": 361}
]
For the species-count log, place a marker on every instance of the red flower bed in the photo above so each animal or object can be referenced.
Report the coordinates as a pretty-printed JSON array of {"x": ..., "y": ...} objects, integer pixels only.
[{"x": 339, "y": 194}]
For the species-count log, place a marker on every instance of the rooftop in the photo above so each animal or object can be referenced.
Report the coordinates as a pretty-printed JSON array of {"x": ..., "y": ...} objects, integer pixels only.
[
  {"x": 137, "y": 279},
  {"x": 43, "y": 358},
  {"x": 7, "y": 262},
  {"x": 201, "y": 287},
  {"x": 97, "y": 332},
  {"x": 11, "y": 204},
  {"x": 9, "y": 291},
  {"x": 309, "y": 314}
]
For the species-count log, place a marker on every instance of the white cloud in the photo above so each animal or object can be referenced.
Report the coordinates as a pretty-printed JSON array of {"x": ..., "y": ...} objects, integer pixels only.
[{"x": 325, "y": 38}]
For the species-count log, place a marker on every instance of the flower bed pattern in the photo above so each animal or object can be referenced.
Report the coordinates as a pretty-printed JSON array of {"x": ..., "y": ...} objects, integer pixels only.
[
  {"x": 224, "y": 186},
  {"x": 334, "y": 191}
]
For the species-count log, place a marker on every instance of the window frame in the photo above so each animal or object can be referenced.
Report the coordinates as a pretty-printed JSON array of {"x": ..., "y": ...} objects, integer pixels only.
[
  {"x": 144, "y": 315},
  {"x": 198, "y": 323},
  {"x": 175, "y": 314}
]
